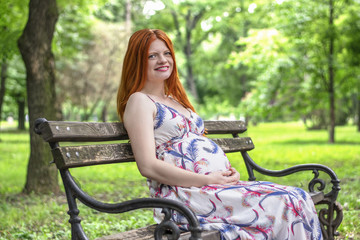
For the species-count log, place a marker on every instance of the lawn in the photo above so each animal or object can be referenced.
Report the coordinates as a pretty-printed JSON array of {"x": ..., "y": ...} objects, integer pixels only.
[{"x": 277, "y": 146}]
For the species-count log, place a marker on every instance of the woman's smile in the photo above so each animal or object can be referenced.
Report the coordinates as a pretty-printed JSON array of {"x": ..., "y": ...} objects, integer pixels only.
[{"x": 162, "y": 68}]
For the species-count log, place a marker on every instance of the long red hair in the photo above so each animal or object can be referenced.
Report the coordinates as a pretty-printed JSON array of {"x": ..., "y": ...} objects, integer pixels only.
[{"x": 134, "y": 71}]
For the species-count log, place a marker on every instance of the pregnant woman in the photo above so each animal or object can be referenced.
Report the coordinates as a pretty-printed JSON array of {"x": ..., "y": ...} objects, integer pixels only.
[{"x": 181, "y": 163}]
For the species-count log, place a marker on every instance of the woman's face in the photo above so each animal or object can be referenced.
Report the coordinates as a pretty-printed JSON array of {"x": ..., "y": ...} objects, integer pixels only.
[{"x": 160, "y": 61}]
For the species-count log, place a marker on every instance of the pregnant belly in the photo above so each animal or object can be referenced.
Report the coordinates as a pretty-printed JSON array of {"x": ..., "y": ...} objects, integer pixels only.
[{"x": 198, "y": 154}]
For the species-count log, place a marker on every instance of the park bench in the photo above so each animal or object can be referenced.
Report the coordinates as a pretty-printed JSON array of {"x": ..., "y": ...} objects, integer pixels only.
[{"x": 73, "y": 155}]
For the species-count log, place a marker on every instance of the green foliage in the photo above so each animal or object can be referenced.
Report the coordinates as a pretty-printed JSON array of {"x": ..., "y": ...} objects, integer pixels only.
[
  {"x": 115, "y": 11},
  {"x": 277, "y": 145},
  {"x": 13, "y": 18},
  {"x": 351, "y": 36},
  {"x": 208, "y": 30},
  {"x": 15, "y": 87},
  {"x": 112, "y": 11},
  {"x": 70, "y": 38},
  {"x": 288, "y": 62},
  {"x": 268, "y": 95},
  {"x": 267, "y": 77}
]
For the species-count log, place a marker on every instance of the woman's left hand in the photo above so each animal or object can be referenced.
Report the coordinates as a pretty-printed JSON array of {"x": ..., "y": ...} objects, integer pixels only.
[{"x": 235, "y": 174}]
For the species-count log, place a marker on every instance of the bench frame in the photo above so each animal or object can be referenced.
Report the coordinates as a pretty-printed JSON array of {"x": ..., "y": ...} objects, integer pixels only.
[{"x": 55, "y": 132}]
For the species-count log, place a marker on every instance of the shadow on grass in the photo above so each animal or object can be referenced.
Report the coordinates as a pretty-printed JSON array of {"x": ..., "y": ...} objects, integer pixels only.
[
  {"x": 12, "y": 140},
  {"x": 316, "y": 142},
  {"x": 14, "y": 131},
  {"x": 22, "y": 200}
]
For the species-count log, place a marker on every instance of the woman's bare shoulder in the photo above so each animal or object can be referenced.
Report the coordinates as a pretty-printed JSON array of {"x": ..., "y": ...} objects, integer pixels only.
[
  {"x": 138, "y": 96},
  {"x": 139, "y": 112},
  {"x": 139, "y": 104},
  {"x": 139, "y": 99}
]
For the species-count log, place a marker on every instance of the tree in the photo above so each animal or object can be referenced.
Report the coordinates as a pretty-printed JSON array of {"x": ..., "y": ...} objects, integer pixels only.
[
  {"x": 270, "y": 72},
  {"x": 232, "y": 81},
  {"x": 204, "y": 34},
  {"x": 309, "y": 69},
  {"x": 96, "y": 69},
  {"x": 350, "y": 56},
  {"x": 16, "y": 91},
  {"x": 35, "y": 47},
  {"x": 331, "y": 71},
  {"x": 185, "y": 21},
  {"x": 317, "y": 30},
  {"x": 12, "y": 14}
]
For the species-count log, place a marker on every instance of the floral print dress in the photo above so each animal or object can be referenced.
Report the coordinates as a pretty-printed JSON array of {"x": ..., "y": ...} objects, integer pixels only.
[{"x": 247, "y": 210}]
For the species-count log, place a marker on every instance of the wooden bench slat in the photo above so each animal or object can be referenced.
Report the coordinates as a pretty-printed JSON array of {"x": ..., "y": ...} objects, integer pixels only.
[
  {"x": 206, "y": 235},
  {"x": 58, "y": 131},
  {"x": 225, "y": 127},
  {"x": 147, "y": 233},
  {"x": 317, "y": 196},
  {"x": 229, "y": 145},
  {"x": 78, "y": 156}
]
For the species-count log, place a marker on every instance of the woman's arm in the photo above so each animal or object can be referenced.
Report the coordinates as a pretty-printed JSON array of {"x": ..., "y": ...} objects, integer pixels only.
[{"x": 139, "y": 123}]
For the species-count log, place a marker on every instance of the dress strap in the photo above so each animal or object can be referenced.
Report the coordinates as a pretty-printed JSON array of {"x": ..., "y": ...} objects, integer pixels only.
[{"x": 150, "y": 98}]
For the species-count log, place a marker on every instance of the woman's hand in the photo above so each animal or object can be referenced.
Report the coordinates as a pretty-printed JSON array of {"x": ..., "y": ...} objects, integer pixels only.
[
  {"x": 230, "y": 176},
  {"x": 235, "y": 174}
]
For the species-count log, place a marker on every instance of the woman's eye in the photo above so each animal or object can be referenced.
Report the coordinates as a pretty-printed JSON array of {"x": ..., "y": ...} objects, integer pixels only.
[
  {"x": 168, "y": 53},
  {"x": 151, "y": 56}
]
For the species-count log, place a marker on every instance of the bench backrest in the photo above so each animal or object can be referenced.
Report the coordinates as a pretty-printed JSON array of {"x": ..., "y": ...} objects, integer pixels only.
[{"x": 83, "y": 153}]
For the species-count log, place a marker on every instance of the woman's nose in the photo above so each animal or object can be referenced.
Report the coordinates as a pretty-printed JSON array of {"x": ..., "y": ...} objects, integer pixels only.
[{"x": 161, "y": 58}]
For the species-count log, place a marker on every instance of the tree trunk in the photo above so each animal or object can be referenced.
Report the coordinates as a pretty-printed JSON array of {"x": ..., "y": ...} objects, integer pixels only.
[
  {"x": 190, "y": 81},
  {"x": 21, "y": 114},
  {"x": 128, "y": 17},
  {"x": 191, "y": 22},
  {"x": 2, "y": 84},
  {"x": 331, "y": 70},
  {"x": 35, "y": 47},
  {"x": 357, "y": 107},
  {"x": 104, "y": 113},
  {"x": 332, "y": 116},
  {"x": 358, "y": 112}
]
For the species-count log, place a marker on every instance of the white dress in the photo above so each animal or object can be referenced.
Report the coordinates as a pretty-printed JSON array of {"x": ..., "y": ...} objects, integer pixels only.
[{"x": 247, "y": 210}]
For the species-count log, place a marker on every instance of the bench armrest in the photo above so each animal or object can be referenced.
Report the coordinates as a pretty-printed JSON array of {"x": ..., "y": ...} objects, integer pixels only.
[
  {"x": 315, "y": 168},
  {"x": 74, "y": 191}
]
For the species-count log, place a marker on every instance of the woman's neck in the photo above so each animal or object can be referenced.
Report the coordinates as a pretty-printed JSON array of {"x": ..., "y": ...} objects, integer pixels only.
[{"x": 155, "y": 91}]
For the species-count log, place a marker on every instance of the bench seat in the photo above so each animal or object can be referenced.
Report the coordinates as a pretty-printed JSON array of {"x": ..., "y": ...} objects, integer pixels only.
[
  {"x": 147, "y": 233},
  {"x": 84, "y": 146}
]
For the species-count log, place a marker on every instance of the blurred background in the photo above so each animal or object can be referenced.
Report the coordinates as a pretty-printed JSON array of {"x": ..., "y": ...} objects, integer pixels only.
[
  {"x": 257, "y": 60},
  {"x": 289, "y": 68}
]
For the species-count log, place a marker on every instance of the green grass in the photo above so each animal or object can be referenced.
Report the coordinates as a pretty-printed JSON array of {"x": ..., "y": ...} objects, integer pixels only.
[{"x": 277, "y": 146}]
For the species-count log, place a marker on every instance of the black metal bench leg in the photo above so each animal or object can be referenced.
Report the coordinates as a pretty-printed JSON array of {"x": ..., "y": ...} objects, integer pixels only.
[
  {"x": 77, "y": 232},
  {"x": 330, "y": 218}
]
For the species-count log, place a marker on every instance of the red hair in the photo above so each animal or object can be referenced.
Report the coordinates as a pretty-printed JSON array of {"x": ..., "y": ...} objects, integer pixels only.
[{"x": 134, "y": 71}]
